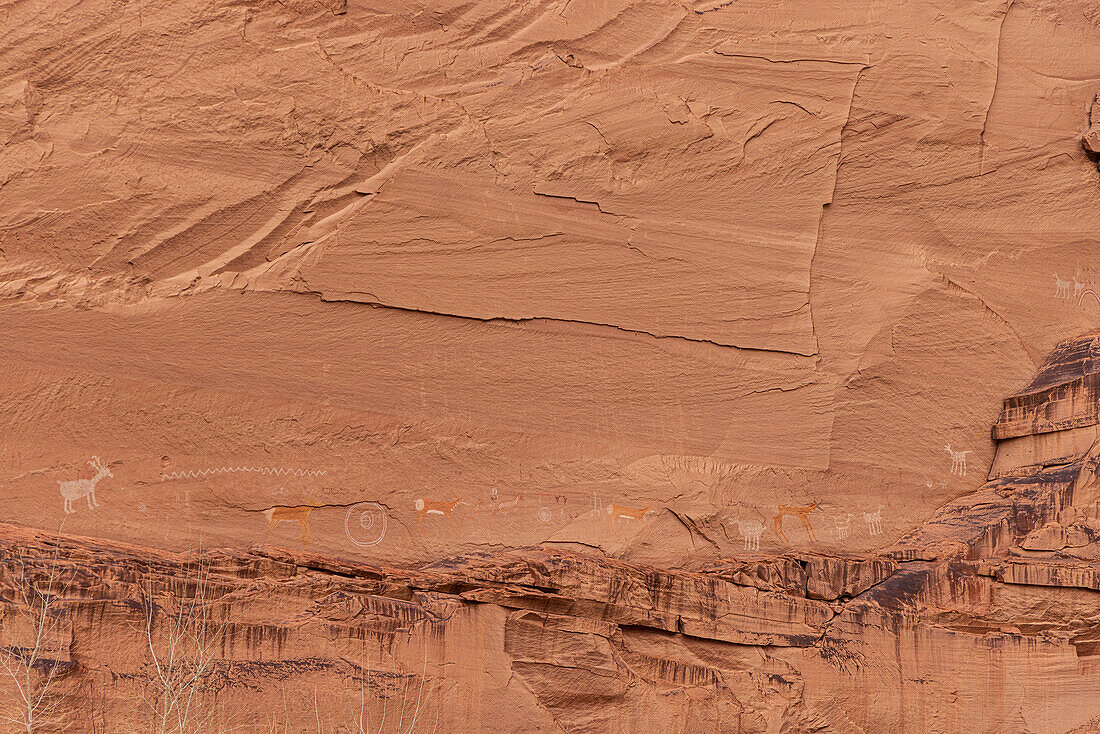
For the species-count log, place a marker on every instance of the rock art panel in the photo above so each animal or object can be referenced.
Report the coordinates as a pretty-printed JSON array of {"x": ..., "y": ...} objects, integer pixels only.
[{"x": 550, "y": 366}]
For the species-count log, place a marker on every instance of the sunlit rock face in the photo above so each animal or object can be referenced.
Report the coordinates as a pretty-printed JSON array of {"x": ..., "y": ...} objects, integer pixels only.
[
  {"x": 1053, "y": 421},
  {"x": 549, "y": 366},
  {"x": 992, "y": 599}
]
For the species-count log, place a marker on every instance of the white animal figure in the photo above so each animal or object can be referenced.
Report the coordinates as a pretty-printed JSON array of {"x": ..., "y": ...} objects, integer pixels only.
[
  {"x": 751, "y": 530},
  {"x": 76, "y": 488},
  {"x": 1077, "y": 287},
  {"x": 510, "y": 504},
  {"x": 843, "y": 528},
  {"x": 958, "y": 460},
  {"x": 874, "y": 521},
  {"x": 1061, "y": 287}
]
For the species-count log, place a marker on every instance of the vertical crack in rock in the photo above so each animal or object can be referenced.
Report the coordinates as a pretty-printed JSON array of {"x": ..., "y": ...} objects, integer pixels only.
[{"x": 996, "y": 82}]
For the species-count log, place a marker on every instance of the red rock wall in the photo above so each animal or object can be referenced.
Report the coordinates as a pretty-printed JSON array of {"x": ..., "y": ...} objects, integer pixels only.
[{"x": 622, "y": 304}]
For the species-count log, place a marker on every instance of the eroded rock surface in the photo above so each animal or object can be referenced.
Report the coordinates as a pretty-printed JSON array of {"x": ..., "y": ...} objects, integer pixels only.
[
  {"x": 551, "y": 366},
  {"x": 999, "y": 585}
]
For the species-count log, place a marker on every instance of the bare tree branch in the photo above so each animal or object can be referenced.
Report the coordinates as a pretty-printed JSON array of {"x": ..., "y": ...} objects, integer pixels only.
[
  {"x": 183, "y": 640},
  {"x": 29, "y": 664}
]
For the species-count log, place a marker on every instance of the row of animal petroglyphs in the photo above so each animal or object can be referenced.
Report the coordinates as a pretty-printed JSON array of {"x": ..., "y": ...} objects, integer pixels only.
[
  {"x": 1080, "y": 289},
  {"x": 752, "y": 529},
  {"x": 84, "y": 488},
  {"x": 366, "y": 523},
  {"x": 1061, "y": 287},
  {"x": 616, "y": 515}
]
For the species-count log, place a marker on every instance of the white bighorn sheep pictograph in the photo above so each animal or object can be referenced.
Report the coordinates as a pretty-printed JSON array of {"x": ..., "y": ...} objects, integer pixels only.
[
  {"x": 874, "y": 521},
  {"x": 1061, "y": 287},
  {"x": 751, "y": 530},
  {"x": 74, "y": 489},
  {"x": 843, "y": 528},
  {"x": 958, "y": 460}
]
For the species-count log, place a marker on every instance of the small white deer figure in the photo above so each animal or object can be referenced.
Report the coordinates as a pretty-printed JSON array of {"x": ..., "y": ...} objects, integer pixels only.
[
  {"x": 843, "y": 528},
  {"x": 751, "y": 530},
  {"x": 1061, "y": 287},
  {"x": 958, "y": 460},
  {"x": 76, "y": 488},
  {"x": 874, "y": 521},
  {"x": 1077, "y": 287}
]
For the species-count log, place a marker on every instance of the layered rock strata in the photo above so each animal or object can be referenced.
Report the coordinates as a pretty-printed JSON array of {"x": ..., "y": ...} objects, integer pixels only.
[{"x": 983, "y": 619}]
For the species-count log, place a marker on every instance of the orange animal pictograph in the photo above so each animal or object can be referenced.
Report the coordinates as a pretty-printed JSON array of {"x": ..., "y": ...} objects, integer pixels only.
[
  {"x": 435, "y": 507},
  {"x": 276, "y": 515},
  {"x": 615, "y": 513},
  {"x": 802, "y": 512}
]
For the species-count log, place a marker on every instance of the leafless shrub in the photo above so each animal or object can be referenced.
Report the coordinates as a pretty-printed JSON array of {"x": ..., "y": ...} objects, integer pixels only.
[
  {"x": 382, "y": 706},
  {"x": 183, "y": 638},
  {"x": 30, "y": 657},
  {"x": 409, "y": 714}
]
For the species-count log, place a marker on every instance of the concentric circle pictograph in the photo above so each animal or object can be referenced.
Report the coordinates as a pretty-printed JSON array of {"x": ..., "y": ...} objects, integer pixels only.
[{"x": 365, "y": 524}]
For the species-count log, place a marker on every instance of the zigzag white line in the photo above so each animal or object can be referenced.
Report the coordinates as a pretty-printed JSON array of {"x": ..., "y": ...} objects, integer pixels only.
[{"x": 277, "y": 471}]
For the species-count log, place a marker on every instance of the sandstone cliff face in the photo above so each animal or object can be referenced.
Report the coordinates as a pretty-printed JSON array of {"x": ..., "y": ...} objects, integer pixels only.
[
  {"x": 983, "y": 618},
  {"x": 550, "y": 366}
]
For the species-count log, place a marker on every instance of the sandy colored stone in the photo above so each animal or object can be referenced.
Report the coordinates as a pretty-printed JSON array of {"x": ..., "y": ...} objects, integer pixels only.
[
  {"x": 555, "y": 366},
  {"x": 1050, "y": 537}
]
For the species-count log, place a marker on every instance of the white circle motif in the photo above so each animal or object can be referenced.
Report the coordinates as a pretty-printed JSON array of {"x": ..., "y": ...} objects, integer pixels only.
[{"x": 368, "y": 515}]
